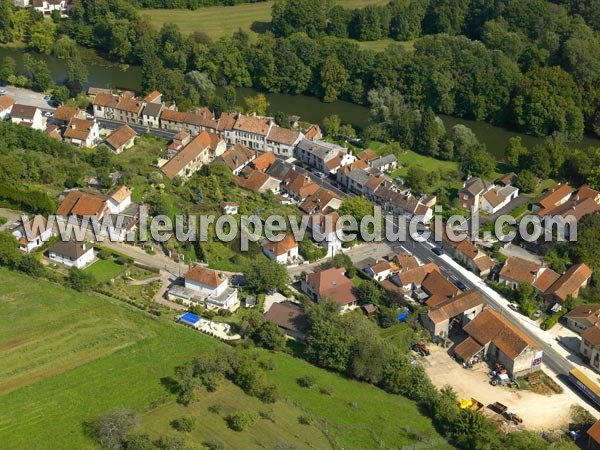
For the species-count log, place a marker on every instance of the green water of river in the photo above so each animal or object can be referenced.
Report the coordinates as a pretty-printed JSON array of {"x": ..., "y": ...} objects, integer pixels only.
[{"x": 106, "y": 74}]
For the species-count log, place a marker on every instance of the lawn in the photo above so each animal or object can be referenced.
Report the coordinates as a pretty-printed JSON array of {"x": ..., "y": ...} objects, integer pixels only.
[
  {"x": 218, "y": 21},
  {"x": 104, "y": 270},
  {"x": 67, "y": 357},
  {"x": 355, "y": 415}
]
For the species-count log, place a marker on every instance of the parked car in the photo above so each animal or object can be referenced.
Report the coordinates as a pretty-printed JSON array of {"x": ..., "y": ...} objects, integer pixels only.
[
  {"x": 459, "y": 284},
  {"x": 48, "y": 114},
  {"x": 513, "y": 307},
  {"x": 438, "y": 251},
  {"x": 537, "y": 314},
  {"x": 2, "y": 92},
  {"x": 320, "y": 174}
]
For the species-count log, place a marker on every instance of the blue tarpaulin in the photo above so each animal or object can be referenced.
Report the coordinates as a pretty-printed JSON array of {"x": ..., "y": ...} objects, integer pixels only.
[{"x": 402, "y": 317}]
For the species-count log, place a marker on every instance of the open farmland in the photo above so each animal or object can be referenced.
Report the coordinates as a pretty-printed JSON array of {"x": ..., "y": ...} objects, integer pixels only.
[
  {"x": 218, "y": 21},
  {"x": 67, "y": 357}
]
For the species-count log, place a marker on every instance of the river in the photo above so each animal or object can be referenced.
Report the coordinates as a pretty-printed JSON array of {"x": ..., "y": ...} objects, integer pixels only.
[{"x": 103, "y": 73}]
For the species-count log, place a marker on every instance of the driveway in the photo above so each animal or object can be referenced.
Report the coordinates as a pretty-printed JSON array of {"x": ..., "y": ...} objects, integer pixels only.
[
  {"x": 27, "y": 97},
  {"x": 515, "y": 250},
  {"x": 516, "y": 203}
]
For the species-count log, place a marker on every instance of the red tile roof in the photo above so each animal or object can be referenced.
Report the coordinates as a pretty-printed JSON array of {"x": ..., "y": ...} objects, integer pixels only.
[
  {"x": 205, "y": 276},
  {"x": 283, "y": 135},
  {"x": 121, "y": 136},
  {"x": 520, "y": 270},
  {"x": 122, "y": 103},
  {"x": 570, "y": 283},
  {"x": 82, "y": 204},
  {"x": 333, "y": 284},
  {"x": 264, "y": 161},
  {"x": 489, "y": 326},
  {"x": 79, "y": 129},
  {"x": 189, "y": 153},
  {"x": 281, "y": 247},
  {"x": 6, "y": 102}
]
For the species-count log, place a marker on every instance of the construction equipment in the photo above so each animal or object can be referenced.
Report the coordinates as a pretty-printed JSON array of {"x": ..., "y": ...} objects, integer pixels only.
[
  {"x": 420, "y": 348},
  {"x": 499, "y": 407},
  {"x": 514, "y": 417},
  {"x": 470, "y": 403}
]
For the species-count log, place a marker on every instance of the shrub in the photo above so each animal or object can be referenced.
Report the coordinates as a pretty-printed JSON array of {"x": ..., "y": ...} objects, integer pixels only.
[
  {"x": 327, "y": 390},
  {"x": 214, "y": 444},
  {"x": 304, "y": 420},
  {"x": 241, "y": 420},
  {"x": 307, "y": 381},
  {"x": 185, "y": 424}
]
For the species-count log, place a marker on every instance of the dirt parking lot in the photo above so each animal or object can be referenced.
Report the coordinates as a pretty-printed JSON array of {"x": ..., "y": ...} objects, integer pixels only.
[{"x": 539, "y": 412}]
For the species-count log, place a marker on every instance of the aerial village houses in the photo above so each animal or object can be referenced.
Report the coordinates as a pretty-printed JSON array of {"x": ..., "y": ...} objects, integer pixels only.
[
  {"x": 46, "y": 7},
  {"x": 206, "y": 287},
  {"x": 492, "y": 336},
  {"x": 282, "y": 141},
  {"x": 560, "y": 208},
  {"x": 200, "y": 151},
  {"x": 326, "y": 230},
  {"x": 478, "y": 194},
  {"x": 332, "y": 284},
  {"x": 122, "y": 108},
  {"x": 82, "y": 133},
  {"x": 230, "y": 208},
  {"x": 32, "y": 233},
  {"x": 323, "y": 156},
  {"x": 463, "y": 251},
  {"x": 63, "y": 115},
  {"x": 6, "y": 106},
  {"x": 71, "y": 253},
  {"x": 251, "y": 131},
  {"x": 555, "y": 288},
  {"x": 121, "y": 139},
  {"x": 298, "y": 185},
  {"x": 283, "y": 251},
  {"x": 590, "y": 346},
  {"x": 26, "y": 115},
  {"x": 518, "y": 270},
  {"x": 151, "y": 115},
  {"x": 453, "y": 312},
  {"x": 80, "y": 204},
  {"x": 236, "y": 158},
  {"x": 257, "y": 181},
  {"x": 290, "y": 317},
  {"x": 379, "y": 270},
  {"x": 582, "y": 317}
]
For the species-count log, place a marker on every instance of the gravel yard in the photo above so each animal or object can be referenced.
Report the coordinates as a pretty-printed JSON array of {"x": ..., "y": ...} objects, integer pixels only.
[{"x": 539, "y": 412}]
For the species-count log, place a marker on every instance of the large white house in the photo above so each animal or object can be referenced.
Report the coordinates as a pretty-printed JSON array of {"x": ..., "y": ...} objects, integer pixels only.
[
  {"x": 71, "y": 253},
  {"x": 206, "y": 287},
  {"x": 26, "y": 115}
]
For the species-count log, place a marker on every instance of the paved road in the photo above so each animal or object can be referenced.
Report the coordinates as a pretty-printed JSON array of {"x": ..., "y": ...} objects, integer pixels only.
[{"x": 553, "y": 358}]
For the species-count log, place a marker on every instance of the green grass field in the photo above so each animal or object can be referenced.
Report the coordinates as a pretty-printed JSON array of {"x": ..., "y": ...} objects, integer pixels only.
[
  {"x": 218, "y": 21},
  {"x": 67, "y": 357},
  {"x": 104, "y": 270}
]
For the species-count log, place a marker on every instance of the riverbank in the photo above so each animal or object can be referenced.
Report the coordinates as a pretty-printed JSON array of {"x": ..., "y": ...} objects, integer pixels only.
[{"x": 103, "y": 73}]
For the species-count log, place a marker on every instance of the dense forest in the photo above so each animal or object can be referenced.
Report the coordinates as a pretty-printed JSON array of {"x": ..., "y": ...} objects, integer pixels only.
[
  {"x": 530, "y": 64},
  {"x": 189, "y": 4}
]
